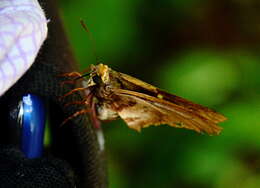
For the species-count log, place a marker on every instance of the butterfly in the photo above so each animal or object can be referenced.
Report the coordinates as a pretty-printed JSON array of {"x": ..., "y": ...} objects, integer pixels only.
[{"x": 109, "y": 94}]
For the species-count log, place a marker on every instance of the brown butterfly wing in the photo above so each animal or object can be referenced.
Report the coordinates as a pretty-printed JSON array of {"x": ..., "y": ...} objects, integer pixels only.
[
  {"x": 137, "y": 85},
  {"x": 139, "y": 110},
  {"x": 205, "y": 112}
]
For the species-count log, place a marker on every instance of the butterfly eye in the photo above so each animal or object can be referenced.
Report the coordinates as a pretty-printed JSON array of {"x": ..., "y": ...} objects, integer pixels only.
[
  {"x": 31, "y": 118},
  {"x": 97, "y": 79}
]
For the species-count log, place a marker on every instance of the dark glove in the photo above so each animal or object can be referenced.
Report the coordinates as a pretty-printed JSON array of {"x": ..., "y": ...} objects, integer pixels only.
[
  {"x": 17, "y": 171},
  {"x": 74, "y": 157}
]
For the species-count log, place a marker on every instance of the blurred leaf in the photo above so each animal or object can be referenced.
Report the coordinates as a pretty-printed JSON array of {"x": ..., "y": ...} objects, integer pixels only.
[
  {"x": 243, "y": 124},
  {"x": 202, "y": 76},
  {"x": 116, "y": 175},
  {"x": 110, "y": 23}
]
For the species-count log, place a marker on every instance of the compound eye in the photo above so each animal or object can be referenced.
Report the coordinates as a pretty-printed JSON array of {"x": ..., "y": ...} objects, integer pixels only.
[{"x": 97, "y": 79}]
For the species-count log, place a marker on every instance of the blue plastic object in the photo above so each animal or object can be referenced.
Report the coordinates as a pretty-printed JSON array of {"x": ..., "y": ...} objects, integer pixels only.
[{"x": 32, "y": 114}]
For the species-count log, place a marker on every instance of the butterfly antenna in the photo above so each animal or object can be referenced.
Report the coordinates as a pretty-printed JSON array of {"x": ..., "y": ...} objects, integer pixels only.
[{"x": 91, "y": 40}]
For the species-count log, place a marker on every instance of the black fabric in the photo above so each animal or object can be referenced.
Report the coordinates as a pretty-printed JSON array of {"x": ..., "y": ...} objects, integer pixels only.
[
  {"x": 17, "y": 171},
  {"x": 74, "y": 158}
]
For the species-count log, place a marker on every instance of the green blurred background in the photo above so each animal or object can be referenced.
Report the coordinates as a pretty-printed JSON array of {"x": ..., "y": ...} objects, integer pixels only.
[{"x": 206, "y": 51}]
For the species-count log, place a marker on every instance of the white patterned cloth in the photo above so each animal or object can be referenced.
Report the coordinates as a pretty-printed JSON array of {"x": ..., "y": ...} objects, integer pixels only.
[{"x": 23, "y": 28}]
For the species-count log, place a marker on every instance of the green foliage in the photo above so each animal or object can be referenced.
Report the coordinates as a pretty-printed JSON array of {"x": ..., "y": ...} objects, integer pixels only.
[
  {"x": 199, "y": 74},
  {"x": 108, "y": 21}
]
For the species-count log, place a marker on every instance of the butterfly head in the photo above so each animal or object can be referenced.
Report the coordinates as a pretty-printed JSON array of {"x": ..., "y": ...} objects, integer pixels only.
[{"x": 99, "y": 74}]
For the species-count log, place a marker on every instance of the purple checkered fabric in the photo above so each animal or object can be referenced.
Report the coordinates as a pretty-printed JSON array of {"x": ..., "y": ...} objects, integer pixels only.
[{"x": 23, "y": 28}]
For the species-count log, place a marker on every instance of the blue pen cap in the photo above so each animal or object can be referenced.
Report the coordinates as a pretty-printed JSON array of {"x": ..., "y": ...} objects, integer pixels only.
[{"x": 32, "y": 121}]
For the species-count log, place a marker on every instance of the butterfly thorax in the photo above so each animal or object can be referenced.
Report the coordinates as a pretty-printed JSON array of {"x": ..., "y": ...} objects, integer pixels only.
[{"x": 103, "y": 81}]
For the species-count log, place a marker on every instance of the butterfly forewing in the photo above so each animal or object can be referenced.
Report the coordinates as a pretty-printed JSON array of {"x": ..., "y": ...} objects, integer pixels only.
[
  {"x": 147, "y": 110},
  {"x": 158, "y": 93}
]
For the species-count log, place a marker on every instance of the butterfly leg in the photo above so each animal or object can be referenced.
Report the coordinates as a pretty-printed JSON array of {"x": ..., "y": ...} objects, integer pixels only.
[
  {"x": 85, "y": 101},
  {"x": 67, "y": 82},
  {"x": 71, "y": 74},
  {"x": 84, "y": 111},
  {"x": 92, "y": 110},
  {"x": 73, "y": 91},
  {"x": 75, "y": 75},
  {"x": 75, "y": 103},
  {"x": 94, "y": 118}
]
